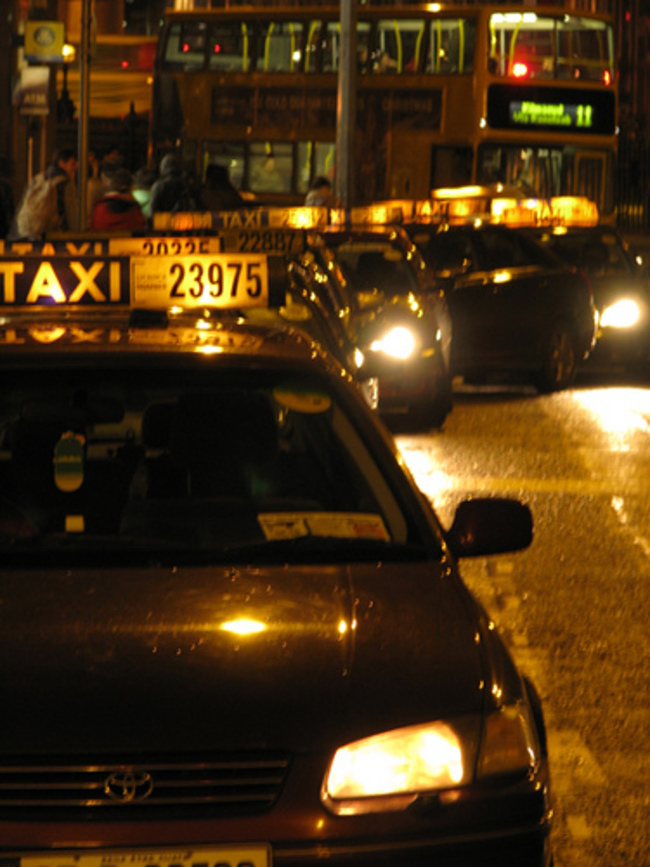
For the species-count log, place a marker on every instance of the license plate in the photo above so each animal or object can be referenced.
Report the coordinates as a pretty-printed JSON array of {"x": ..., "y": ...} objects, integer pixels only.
[
  {"x": 235, "y": 280},
  {"x": 213, "y": 856},
  {"x": 160, "y": 246}
]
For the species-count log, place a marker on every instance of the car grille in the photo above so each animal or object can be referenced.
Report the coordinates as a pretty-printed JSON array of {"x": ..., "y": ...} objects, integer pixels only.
[{"x": 227, "y": 785}]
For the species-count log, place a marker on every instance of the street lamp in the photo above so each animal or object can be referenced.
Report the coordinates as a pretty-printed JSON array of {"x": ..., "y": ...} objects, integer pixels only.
[{"x": 65, "y": 106}]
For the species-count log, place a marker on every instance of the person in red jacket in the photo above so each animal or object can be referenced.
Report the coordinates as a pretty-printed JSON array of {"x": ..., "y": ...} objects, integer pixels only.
[{"x": 117, "y": 209}]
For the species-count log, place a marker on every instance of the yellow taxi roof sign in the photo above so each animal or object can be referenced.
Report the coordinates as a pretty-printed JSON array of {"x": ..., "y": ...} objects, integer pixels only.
[
  {"x": 243, "y": 218},
  {"x": 376, "y": 214},
  {"x": 574, "y": 211}
]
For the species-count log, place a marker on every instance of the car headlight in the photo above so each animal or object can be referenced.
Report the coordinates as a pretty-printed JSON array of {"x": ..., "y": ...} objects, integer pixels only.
[
  {"x": 390, "y": 770},
  {"x": 399, "y": 342},
  {"x": 509, "y": 742},
  {"x": 622, "y": 314}
]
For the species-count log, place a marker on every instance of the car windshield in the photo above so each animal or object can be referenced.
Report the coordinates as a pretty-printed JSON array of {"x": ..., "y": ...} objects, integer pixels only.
[
  {"x": 178, "y": 465},
  {"x": 377, "y": 266},
  {"x": 600, "y": 255}
]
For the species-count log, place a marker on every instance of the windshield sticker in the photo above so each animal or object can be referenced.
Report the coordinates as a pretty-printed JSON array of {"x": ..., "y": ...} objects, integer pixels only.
[
  {"x": 341, "y": 525},
  {"x": 302, "y": 399},
  {"x": 69, "y": 462}
]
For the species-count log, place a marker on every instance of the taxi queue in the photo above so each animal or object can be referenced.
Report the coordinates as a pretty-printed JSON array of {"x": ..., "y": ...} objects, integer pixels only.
[
  {"x": 233, "y": 632},
  {"x": 403, "y": 346}
]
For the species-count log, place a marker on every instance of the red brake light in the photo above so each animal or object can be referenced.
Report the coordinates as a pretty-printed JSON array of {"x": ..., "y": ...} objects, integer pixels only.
[{"x": 520, "y": 69}]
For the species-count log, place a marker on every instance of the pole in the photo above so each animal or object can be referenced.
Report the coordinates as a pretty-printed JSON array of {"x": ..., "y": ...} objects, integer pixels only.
[
  {"x": 84, "y": 109},
  {"x": 346, "y": 104}
]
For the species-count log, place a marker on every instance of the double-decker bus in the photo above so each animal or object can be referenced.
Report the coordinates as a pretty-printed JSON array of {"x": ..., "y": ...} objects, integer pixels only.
[{"x": 446, "y": 95}]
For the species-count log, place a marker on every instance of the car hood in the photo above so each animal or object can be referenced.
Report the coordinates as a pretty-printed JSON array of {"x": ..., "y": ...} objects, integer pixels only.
[{"x": 123, "y": 660}]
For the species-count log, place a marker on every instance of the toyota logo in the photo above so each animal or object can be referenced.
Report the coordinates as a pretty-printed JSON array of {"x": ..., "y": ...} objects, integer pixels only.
[{"x": 127, "y": 786}]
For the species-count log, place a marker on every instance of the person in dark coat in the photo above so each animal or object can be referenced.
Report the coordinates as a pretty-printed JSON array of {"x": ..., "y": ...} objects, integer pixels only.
[
  {"x": 218, "y": 192},
  {"x": 173, "y": 191},
  {"x": 117, "y": 209},
  {"x": 63, "y": 169}
]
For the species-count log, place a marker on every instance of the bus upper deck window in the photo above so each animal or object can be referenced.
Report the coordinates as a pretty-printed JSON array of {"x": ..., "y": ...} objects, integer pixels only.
[
  {"x": 280, "y": 47},
  {"x": 185, "y": 45},
  {"x": 451, "y": 45},
  {"x": 398, "y": 45},
  {"x": 230, "y": 46}
]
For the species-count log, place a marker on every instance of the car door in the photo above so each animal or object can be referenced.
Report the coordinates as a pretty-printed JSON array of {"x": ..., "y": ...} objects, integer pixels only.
[{"x": 505, "y": 300}]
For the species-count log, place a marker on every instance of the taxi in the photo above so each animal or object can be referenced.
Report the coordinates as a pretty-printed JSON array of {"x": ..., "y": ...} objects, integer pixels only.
[
  {"x": 398, "y": 326},
  {"x": 517, "y": 310},
  {"x": 399, "y": 319},
  {"x": 621, "y": 285},
  {"x": 233, "y": 631}
]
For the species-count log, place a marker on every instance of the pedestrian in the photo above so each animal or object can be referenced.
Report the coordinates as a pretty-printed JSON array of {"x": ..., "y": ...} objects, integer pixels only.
[
  {"x": 173, "y": 191},
  {"x": 64, "y": 166},
  {"x": 321, "y": 194},
  {"x": 117, "y": 209},
  {"x": 143, "y": 181},
  {"x": 95, "y": 187},
  {"x": 49, "y": 204},
  {"x": 218, "y": 193}
]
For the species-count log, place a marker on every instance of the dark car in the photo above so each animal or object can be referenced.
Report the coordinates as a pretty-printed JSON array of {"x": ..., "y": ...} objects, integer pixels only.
[
  {"x": 515, "y": 307},
  {"x": 621, "y": 290},
  {"x": 232, "y": 630},
  {"x": 396, "y": 317}
]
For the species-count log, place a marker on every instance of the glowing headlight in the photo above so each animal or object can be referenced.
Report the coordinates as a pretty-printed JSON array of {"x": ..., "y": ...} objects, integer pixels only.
[
  {"x": 388, "y": 771},
  {"x": 398, "y": 343},
  {"x": 402, "y": 762},
  {"x": 623, "y": 314}
]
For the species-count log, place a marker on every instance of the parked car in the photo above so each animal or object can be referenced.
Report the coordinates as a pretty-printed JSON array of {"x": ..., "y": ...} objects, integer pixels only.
[
  {"x": 233, "y": 631},
  {"x": 621, "y": 287},
  {"x": 515, "y": 307}
]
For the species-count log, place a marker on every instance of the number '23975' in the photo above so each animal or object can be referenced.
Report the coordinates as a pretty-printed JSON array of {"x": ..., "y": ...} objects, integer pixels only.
[{"x": 234, "y": 280}]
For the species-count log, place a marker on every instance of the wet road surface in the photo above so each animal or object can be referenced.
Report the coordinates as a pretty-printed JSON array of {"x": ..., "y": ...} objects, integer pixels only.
[{"x": 574, "y": 607}]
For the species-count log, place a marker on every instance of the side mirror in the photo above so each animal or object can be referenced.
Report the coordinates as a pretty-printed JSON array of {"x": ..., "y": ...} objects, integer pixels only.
[{"x": 484, "y": 526}]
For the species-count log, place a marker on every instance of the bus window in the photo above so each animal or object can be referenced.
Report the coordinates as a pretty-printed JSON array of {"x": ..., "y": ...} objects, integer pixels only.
[
  {"x": 528, "y": 45},
  {"x": 270, "y": 168},
  {"x": 230, "y": 47},
  {"x": 314, "y": 159},
  {"x": 313, "y": 46},
  {"x": 363, "y": 47},
  {"x": 451, "y": 46},
  {"x": 281, "y": 46},
  {"x": 387, "y": 48},
  {"x": 185, "y": 46},
  {"x": 535, "y": 171},
  {"x": 232, "y": 155}
]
